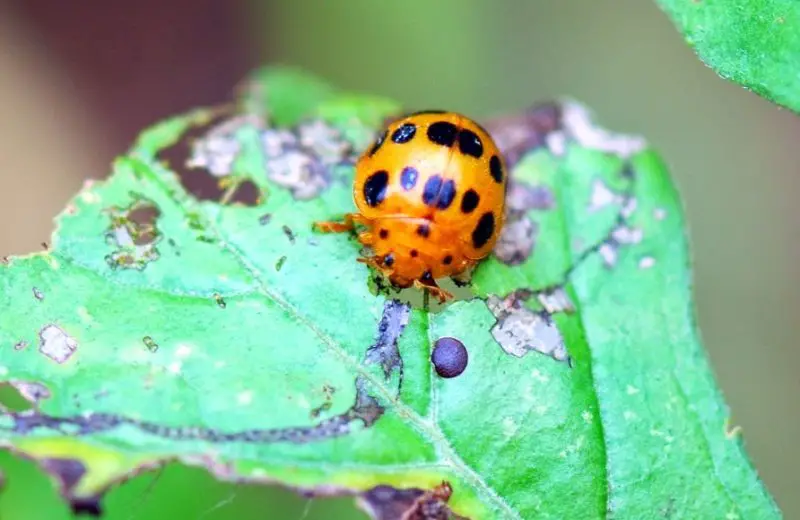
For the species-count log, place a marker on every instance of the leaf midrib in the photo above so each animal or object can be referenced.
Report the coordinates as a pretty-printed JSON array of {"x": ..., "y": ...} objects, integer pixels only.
[{"x": 425, "y": 427}]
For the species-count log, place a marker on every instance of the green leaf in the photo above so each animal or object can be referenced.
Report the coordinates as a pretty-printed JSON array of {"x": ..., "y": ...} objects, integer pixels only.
[
  {"x": 186, "y": 310},
  {"x": 755, "y": 43}
]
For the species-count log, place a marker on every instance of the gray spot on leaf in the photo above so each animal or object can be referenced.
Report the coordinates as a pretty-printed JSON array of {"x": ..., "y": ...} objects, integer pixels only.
[
  {"x": 523, "y": 196},
  {"x": 518, "y": 236},
  {"x": 384, "y": 351},
  {"x": 217, "y": 151},
  {"x": 519, "y": 330},
  {"x": 300, "y": 159},
  {"x": 516, "y": 241}
]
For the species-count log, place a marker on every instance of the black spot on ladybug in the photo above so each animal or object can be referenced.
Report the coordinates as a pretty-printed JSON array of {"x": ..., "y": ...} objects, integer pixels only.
[
  {"x": 496, "y": 169},
  {"x": 383, "y": 233},
  {"x": 446, "y": 194},
  {"x": 424, "y": 230},
  {"x": 378, "y": 143},
  {"x": 375, "y": 187},
  {"x": 431, "y": 190},
  {"x": 447, "y": 260},
  {"x": 484, "y": 230},
  {"x": 438, "y": 192},
  {"x": 469, "y": 143},
  {"x": 388, "y": 260},
  {"x": 449, "y": 357},
  {"x": 443, "y": 133},
  {"x": 408, "y": 178},
  {"x": 404, "y": 134},
  {"x": 413, "y": 253},
  {"x": 470, "y": 201}
]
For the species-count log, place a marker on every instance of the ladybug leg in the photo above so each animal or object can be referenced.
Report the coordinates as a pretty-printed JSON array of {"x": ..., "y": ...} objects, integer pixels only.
[
  {"x": 371, "y": 261},
  {"x": 426, "y": 283},
  {"x": 350, "y": 219},
  {"x": 366, "y": 238}
]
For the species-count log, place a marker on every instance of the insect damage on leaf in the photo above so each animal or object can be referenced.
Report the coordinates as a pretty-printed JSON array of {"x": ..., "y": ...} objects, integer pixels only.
[
  {"x": 134, "y": 234},
  {"x": 388, "y": 503},
  {"x": 519, "y": 233},
  {"x": 365, "y": 411},
  {"x": 233, "y": 350},
  {"x": 204, "y": 158},
  {"x": 384, "y": 351},
  {"x": 519, "y": 329}
]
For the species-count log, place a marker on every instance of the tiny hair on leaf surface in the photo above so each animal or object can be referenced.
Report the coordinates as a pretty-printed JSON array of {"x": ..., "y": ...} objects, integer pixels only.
[
  {"x": 755, "y": 43},
  {"x": 175, "y": 320}
]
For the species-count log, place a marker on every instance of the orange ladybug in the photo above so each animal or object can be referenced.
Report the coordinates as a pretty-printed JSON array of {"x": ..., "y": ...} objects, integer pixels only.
[{"x": 430, "y": 194}]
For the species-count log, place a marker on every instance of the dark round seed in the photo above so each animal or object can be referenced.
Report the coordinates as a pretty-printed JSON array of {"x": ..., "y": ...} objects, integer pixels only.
[{"x": 449, "y": 357}]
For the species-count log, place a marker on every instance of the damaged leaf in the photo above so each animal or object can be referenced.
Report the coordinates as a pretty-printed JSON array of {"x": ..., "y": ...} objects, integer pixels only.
[
  {"x": 755, "y": 43},
  {"x": 232, "y": 336}
]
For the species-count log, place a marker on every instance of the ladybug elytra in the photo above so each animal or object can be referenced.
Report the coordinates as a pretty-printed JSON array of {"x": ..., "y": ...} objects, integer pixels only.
[{"x": 430, "y": 193}]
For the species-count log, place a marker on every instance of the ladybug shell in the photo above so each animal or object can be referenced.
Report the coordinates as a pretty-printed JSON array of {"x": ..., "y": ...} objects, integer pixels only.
[{"x": 433, "y": 187}]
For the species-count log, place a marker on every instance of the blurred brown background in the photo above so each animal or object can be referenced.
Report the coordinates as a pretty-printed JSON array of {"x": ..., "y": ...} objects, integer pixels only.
[{"x": 78, "y": 80}]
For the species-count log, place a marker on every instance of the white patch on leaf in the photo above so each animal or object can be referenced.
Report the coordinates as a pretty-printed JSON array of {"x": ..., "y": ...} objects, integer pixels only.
[
  {"x": 602, "y": 196},
  {"x": 56, "y": 344},
  {"x": 555, "y": 301}
]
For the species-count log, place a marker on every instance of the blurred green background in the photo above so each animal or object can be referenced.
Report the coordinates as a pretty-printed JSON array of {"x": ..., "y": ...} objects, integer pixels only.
[{"x": 78, "y": 80}]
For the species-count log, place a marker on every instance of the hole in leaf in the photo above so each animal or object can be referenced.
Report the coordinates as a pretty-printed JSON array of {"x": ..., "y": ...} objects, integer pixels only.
[{"x": 189, "y": 159}]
